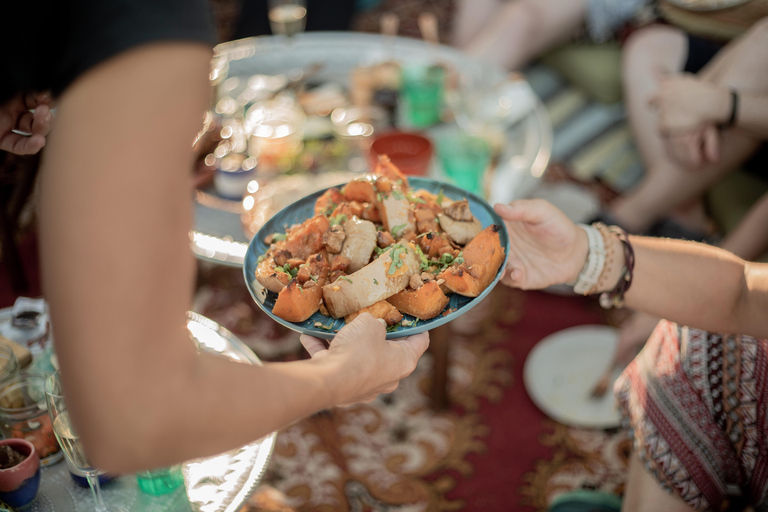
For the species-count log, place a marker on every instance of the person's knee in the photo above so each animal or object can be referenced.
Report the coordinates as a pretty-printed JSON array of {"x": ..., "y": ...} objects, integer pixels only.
[
  {"x": 759, "y": 33},
  {"x": 657, "y": 46},
  {"x": 529, "y": 17}
]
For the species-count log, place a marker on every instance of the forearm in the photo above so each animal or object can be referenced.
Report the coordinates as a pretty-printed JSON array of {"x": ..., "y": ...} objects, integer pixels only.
[
  {"x": 198, "y": 405},
  {"x": 699, "y": 285}
]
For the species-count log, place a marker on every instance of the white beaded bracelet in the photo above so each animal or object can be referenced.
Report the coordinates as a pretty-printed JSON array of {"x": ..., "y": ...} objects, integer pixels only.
[{"x": 593, "y": 267}]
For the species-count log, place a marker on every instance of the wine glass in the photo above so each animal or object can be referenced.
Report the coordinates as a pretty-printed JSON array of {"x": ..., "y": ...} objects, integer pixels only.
[
  {"x": 287, "y": 17},
  {"x": 70, "y": 441}
]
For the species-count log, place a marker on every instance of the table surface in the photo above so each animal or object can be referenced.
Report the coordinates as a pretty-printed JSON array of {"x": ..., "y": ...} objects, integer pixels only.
[
  {"x": 216, "y": 484},
  {"x": 218, "y": 235}
]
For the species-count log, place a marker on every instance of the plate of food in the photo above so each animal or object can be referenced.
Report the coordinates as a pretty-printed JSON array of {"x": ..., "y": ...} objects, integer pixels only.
[{"x": 412, "y": 251}]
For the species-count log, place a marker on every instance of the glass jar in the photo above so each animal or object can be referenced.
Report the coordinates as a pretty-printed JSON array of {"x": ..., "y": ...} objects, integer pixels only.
[
  {"x": 24, "y": 414},
  {"x": 9, "y": 365}
]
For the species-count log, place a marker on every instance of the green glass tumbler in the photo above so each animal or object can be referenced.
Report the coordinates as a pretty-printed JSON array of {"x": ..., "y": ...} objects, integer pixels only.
[
  {"x": 422, "y": 94},
  {"x": 464, "y": 159},
  {"x": 160, "y": 481}
]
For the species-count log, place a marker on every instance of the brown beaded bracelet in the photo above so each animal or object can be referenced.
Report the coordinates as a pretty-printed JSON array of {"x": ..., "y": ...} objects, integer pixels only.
[{"x": 615, "y": 297}]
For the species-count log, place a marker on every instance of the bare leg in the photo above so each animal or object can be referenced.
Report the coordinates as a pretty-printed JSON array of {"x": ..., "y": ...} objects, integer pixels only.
[
  {"x": 520, "y": 30},
  {"x": 649, "y": 54},
  {"x": 644, "y": 494},
  {"x": 470, "y": 18},
  {"x": 750, "y": 238},
  {"x": 666, "y": 185}
]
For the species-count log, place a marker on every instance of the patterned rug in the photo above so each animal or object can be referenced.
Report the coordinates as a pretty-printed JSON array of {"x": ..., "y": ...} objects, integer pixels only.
[{"x": 492, "y": 450}]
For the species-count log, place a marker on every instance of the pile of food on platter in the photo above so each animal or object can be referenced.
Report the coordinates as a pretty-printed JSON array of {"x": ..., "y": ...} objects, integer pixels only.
[{"x": 375, "y": 245}]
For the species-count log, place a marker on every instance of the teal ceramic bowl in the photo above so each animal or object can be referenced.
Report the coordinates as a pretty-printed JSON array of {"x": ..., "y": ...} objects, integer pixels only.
[{"x": 304, "y": 208}]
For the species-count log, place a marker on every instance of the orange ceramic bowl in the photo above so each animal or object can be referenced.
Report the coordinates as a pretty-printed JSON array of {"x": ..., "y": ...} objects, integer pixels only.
[{"x": 411, "y": 152}]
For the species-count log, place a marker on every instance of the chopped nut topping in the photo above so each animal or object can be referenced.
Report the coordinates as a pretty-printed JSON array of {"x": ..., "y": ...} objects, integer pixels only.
[
  {"x": 384, "y": 239},
  {"x": 415, "y": 282},
  {"x": 282, "y": 257},
  {"x": 334, "y": 238}
]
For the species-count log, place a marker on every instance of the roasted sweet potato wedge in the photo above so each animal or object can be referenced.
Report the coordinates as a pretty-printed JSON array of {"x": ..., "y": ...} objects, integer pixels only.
[
  {"x": 382, "y": 309},
  {"x": 466, "y": 280},
  {"x": 307, "y": 238},
  {"x": 435, "y": 245},
  {"x": 386, "y": 168},
  {"x": 270, "y": 278},
  {"x": 425, "y": 303},
  {"x": 482, "y": 258},
  {"x": 296, "y": 303},
  {"x": 362, "y": 190},
  {"x": 301, "y": 298},
  {"x": 327, "y": 202}
]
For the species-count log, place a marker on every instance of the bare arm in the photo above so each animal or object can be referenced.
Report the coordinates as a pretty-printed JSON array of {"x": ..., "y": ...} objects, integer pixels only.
[
  {"x": 699, "y": 285},
  {"x": 118, "y": 272},
  {"x": 687, "y": 282}
]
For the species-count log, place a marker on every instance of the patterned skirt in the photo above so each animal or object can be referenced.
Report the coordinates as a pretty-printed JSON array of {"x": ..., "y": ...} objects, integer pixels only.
[{"x": 696, "y": 403}]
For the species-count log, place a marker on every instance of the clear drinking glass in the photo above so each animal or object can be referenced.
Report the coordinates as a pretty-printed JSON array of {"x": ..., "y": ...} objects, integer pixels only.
[
  {"x": 70, "y": 441},
  {"x": 287, "y": 17}
]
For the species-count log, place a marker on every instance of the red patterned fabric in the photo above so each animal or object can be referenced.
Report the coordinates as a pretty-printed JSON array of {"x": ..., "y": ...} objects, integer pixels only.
[{"x": 696, "y": 403}]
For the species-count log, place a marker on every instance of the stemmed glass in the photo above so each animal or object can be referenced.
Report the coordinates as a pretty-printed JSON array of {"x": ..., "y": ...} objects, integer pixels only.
[
  {"x": 287, "y": 17},
  {"x": 70, "y": 441}
]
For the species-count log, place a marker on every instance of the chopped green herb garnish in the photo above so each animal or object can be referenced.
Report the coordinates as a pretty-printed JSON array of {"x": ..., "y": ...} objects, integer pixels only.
[
  {"x": 329, "y": 209},
  {"x": 440, "y": 197},
  {"x": 346, "y": 279},
  {"x": 261, "y": 258},
  {"x": 395, "y": 253},
  {"x": 415, "y": 199},
  {"x": 375, "y": 282},
  {"x": 338, "y": 219},
  {"x": 397, "y": 194},
  {"x": 328, "y": 327},
  {"x": 380, "y": 196},
  {"x": 378, "y": 250},
  {"x": 286, "y": 269},
  {"x": 459, "y": 259},
  {"x": 277, "y": 237},
  {"x": 314, "y": 278},
  {"x": 397, "y": 229},
  {"x": 423, "y": 258},
  {"x": 393, "y": 328}
]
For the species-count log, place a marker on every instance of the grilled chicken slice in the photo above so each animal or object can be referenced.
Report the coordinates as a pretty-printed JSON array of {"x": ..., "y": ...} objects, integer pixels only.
[{"x": 460, "y": 231}]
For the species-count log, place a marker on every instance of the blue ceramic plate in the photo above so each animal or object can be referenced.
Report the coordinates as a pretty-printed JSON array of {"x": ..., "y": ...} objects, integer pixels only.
[{"x": 304, "y": 208}]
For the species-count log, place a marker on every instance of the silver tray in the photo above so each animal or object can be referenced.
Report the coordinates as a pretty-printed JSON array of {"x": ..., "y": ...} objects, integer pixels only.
[{"x": 214, "y": 484}]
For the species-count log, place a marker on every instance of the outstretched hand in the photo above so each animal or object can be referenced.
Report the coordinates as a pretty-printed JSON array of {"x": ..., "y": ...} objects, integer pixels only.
[
  {"x": 369, "y": 363},
  {"x": 16, "y": 116},
  {"x": 546, "y": 248}
]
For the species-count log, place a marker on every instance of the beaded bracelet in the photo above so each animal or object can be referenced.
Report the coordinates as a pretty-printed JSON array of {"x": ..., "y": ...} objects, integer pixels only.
[
  {"x": 615, "y": 297},
  {"x": 593, "y": 267}
]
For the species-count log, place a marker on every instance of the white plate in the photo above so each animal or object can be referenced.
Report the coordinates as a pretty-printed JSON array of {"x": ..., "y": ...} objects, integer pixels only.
[{"x": 563, "y": 368}]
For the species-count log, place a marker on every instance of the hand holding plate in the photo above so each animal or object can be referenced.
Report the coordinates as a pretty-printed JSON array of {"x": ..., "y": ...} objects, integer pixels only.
[
  {"x": 546, "y": 248},
  {"x": 368, "y": 364}
]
